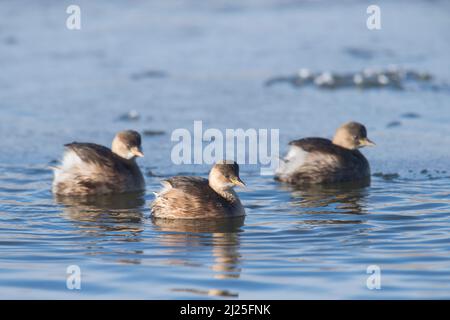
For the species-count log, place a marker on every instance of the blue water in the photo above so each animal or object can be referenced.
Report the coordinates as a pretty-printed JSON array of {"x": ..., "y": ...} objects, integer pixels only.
[{"x": 175, "y": 62}]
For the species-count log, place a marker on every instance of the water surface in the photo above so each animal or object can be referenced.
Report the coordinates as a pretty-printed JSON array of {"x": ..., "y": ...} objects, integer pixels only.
[{"x": 175, "y": 62}]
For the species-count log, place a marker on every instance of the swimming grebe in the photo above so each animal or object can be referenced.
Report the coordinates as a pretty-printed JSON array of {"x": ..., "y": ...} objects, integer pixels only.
[
  {"x": 89, "y": 168},
  {"x": 322, "y": 161},
  {"x": 195, "y": 197}
]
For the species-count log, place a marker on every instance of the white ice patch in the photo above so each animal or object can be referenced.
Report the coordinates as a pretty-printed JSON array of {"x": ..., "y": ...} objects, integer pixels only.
[{"x": 294, "y": 159}]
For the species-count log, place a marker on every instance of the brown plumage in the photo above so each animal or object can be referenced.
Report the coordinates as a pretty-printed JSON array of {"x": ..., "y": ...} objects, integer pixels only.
[
  {"x": 194, "y": 197},
  {"x": 322, "y": 161},
  {"x": 89, "y": 168}
]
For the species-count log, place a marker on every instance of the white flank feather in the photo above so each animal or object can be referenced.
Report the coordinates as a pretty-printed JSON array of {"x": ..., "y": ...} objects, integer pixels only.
[{"x": 294, "y": 159}]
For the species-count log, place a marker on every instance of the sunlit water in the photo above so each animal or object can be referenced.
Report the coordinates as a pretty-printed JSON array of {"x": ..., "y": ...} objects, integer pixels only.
[{"x": 183, "y": 61}]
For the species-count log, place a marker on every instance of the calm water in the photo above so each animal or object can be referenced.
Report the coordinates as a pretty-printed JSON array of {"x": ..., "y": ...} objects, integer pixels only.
[{"x": 180, "y": 61}]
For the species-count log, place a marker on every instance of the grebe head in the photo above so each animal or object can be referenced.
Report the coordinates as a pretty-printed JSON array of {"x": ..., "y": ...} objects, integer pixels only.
[
  {"x": 225, "y": 175},
  {"x": 127, "y": 144},
  {"x": 352, "y": 135}
]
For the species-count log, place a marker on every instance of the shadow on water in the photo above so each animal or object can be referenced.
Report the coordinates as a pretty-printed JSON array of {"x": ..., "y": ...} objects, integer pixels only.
[
  {"x": 223, "y": 235},
  {"x": 106, "y": 220},
  {"x": 349, "y": 198},
  {"x": 222, "y": 226},
  {"x": 120, "y": 212}
]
